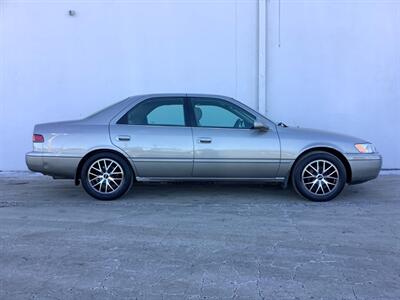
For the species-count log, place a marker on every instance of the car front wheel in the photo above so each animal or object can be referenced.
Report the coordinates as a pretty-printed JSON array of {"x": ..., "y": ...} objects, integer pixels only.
[
  {"x": 319, "y": 176},
  {"x": 106, "y": 176}
]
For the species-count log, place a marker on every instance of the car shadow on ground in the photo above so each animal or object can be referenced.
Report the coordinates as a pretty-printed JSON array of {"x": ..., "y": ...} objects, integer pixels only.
[{"x": 44, "y": 188}]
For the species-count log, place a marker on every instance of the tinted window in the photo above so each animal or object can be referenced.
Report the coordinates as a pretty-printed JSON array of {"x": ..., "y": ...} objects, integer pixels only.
[
  {"x": 219, "y": 113},
  {"x": 156, "y": 111}
]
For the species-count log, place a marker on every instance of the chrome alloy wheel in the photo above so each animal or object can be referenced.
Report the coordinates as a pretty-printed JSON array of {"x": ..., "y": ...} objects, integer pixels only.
[
  {"x": 320, "y": 177},
  {"x": 105, "y": 176}
]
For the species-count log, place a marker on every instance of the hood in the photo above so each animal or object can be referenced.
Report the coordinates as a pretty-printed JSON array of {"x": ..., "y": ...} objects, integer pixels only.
[
  {"x": 305, "y": 138},
  {"x": 321, "y": 134}
]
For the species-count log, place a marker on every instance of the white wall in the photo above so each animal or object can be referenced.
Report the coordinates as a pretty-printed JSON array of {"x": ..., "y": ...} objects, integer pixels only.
[
  {"x": 337, "y": 66},
  {"x": 58, "y": 67}
]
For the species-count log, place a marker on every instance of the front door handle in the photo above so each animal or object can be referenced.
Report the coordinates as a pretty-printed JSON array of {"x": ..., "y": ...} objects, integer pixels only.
[
  {"x": 123, "y": 138},
  {"x": 204, "y": 140}
]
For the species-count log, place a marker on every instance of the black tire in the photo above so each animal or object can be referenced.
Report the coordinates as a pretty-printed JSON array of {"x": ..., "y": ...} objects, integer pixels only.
[
  {"x": 311, "y": 188},
  {"x": 125, "y": 179}
]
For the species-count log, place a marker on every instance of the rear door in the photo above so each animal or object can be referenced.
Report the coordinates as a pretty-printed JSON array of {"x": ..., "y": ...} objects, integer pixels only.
[
  {"x": 226, "y": 146},
  {"x": 155, "y": 135}
]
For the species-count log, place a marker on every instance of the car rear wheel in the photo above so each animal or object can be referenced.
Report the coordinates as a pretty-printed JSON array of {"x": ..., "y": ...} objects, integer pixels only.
[
  {"x": 106, "y": 176},
  {"x": 319, "y": 176}
]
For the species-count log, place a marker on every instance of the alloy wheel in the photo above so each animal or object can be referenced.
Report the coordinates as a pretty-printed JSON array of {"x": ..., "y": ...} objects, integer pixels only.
[
  {"x": 105, "y": 176},
  {"x": 320, "y": 177}
]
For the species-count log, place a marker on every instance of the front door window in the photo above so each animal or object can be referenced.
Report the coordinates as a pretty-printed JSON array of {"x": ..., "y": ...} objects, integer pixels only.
[{"x": 220, "y": 114}]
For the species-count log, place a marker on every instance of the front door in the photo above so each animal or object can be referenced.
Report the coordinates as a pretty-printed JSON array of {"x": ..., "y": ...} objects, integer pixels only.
[
  {"x": 226, "y": 146},
  {"x": 155, "y": 137}
]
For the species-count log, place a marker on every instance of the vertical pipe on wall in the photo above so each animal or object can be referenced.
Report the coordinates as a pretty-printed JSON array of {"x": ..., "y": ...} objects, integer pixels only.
[
  {"x": 236, "y": 48},
  {"x": 262, "y": 58}
]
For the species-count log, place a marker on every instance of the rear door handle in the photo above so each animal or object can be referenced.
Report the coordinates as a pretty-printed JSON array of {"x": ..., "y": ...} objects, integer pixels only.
[
  {"x": 204, "y": 140},
  {"x": 123, "y": 138}
]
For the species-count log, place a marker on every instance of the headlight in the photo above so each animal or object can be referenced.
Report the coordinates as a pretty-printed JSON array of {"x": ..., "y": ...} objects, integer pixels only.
[{"x": 365, "y": 148}]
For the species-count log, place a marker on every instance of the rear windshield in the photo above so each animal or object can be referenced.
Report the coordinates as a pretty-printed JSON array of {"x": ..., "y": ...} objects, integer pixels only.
[{"x": 107, "y": 108}]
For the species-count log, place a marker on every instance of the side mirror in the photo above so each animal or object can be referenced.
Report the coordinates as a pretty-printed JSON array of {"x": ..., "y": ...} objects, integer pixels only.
[{"x": 260, "y": 126}]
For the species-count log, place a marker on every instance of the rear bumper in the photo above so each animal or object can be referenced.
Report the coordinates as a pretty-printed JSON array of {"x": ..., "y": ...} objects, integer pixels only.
[
  {"x": 364, "y": 167},
  {"x": 34, "y": 161},
  {"x": 52, "y": 165}
]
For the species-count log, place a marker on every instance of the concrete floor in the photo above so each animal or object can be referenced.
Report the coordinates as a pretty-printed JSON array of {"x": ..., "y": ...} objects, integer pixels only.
[{"x": 198, "y": 241}]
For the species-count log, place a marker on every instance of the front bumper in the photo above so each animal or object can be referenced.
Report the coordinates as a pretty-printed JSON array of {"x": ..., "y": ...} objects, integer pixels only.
[{"x": 364, "y": 167}]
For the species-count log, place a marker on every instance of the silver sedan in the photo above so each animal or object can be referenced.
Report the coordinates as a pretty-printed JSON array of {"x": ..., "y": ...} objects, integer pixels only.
[{"x": 178, "y": 137}]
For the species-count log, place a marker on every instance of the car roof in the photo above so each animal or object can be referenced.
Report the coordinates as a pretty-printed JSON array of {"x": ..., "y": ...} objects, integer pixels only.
[{"x": 179, "y": 95}]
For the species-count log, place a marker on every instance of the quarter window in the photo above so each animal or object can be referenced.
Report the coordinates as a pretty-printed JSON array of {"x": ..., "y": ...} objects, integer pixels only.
[
  {"x": 156, "y": 111},
  {"x": 210, "y": 112}
]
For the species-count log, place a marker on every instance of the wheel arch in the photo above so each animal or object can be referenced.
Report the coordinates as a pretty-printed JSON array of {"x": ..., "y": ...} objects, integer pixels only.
[
  {"x": 96, "y": 151},
  {"x": 330, "y": 150}
]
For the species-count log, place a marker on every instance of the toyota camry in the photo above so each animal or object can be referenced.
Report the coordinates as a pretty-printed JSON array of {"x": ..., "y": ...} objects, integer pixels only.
[{"x": 182, "y": 137}]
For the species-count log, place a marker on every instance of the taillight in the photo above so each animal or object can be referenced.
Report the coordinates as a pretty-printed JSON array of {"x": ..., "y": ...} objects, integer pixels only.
[{"x": 37, "y": 138}]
